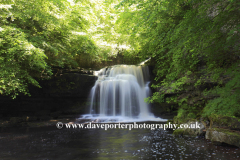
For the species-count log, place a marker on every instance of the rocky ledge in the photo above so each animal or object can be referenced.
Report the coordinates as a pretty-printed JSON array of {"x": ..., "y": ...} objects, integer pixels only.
[
  {"x": 219, "y": 129},
  {"x": 223, "y": 136},
  {"x": 65, "y": 94}
]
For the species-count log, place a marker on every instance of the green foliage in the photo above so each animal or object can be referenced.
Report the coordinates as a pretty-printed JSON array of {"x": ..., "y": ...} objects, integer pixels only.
[
  {"x": 181, "y": 116},
  {"x": 37, "y": 35},
  {"x": 49, "y": 26},
  {"x": 155, "y": 98},
  {"x": 191, "y": 115},
  {"x": 18, "y": 60},
  {"x": 228, "y": 101},
  {"x": 191, "y": 42}
]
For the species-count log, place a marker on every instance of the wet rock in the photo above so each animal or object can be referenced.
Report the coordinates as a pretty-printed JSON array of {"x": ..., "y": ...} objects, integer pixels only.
[
  {"x": 62, "y": 94},
  {"x": 32, "y": 119},
  {"x": 15, "y": 120},
  {"x": 193, "y": 128},
  {"x": 223, "y": 136}
]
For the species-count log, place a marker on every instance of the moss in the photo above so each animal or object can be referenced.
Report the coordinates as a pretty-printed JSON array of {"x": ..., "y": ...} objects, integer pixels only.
[
  {"x": 228, "y": 132},
  {"x": 191, "y": 115},
  {"x": 179, "y": 132},
  {"x": 183, "y": 131},
  {"x": 224, "y": 121},
  {"x": 224, "y": 135}
]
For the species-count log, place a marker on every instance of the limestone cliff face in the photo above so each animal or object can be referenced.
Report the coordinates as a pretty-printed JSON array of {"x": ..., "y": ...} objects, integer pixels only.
[{"x": 65, "y": 93}]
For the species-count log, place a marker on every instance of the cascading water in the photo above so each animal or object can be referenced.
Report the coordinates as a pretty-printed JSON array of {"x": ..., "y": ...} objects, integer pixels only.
[{"x": 119, "y": 94}]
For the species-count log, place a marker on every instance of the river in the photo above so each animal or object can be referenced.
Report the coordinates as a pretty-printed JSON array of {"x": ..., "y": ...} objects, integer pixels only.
[{"x": 47, "y": 143}]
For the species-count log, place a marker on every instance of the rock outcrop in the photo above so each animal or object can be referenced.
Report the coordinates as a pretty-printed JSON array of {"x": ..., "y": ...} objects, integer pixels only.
[
  {"x": 194, "y": 128},
  {"x": 223, "y": 136},
  {"x": 66, "y": 93}
]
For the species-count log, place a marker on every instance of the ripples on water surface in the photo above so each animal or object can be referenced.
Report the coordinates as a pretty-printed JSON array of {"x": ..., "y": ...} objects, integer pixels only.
[{"x": 51, "y": 143}]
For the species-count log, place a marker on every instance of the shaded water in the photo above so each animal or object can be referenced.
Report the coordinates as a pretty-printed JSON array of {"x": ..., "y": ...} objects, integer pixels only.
[{"x": 77, "y": 144}]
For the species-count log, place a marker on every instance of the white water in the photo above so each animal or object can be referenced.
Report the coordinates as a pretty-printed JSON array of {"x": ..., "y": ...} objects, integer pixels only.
[{"x": 118, "y": 95}]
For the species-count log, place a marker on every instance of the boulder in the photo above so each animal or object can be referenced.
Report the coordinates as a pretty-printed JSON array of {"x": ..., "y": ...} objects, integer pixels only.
[
  {"x": 192, "y": 130},
  {"x": 223, "y": 136}
]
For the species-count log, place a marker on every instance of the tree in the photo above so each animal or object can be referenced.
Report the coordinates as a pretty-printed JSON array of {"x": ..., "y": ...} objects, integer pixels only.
[
  {"x": 180, "y": 36},
  {"x": 19, "y": 59},
  {"x": 37, "y": 35}
]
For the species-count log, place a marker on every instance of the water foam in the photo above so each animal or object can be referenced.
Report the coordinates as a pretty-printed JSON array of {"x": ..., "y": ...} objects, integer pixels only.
[{"x": 118, "y": 95}]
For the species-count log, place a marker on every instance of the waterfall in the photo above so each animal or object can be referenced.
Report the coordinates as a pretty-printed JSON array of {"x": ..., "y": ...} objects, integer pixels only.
[{"x": 119, "y": 92}]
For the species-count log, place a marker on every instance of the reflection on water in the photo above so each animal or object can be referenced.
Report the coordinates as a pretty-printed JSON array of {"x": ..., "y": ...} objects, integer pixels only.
[{"x": 52, "y": 143}]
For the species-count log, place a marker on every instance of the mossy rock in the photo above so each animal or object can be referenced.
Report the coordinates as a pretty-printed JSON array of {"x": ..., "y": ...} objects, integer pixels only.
[
  {"x": 190, "y": 131},
  {"x": 179, "y": 132},
  {"x": 224, "y": 121},
  {"x": 224, "y": 135}
]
